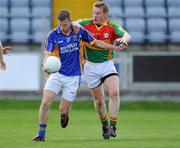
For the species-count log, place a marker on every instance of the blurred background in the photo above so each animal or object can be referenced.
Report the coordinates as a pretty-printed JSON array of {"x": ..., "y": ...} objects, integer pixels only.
[{"x": 149, "y": 68}]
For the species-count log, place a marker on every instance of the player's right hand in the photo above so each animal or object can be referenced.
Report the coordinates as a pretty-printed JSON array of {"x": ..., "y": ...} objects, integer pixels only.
[{"x": 7, "y": 49}]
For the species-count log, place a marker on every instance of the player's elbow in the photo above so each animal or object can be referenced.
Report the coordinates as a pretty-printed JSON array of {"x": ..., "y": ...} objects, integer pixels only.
[{"x": 128, "y": 36}]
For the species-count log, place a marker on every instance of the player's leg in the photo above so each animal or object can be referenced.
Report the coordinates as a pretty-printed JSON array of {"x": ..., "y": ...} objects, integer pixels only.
[
  {"x": 70, "y": 86},
  {"x": 51, "y": 89},
  {"x": 43, "y": 114},
  {"x": 48, "y": 97},
  {"x": 111, "y": 81},
  {"x": 92, "y": 77},
  {"x": 112, "y": 84},
  {"x": 100, "y": 106},
  {"x": 64, "y": 108},
  {"x": 98, "y": 97}
]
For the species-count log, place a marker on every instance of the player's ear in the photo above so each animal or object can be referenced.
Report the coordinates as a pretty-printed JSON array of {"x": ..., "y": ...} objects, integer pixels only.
[{"x": 106, "y": 15}]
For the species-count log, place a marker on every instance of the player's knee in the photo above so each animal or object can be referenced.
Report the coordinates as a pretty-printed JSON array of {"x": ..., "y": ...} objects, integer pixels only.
[
  {"x": 98, "y": 97},
  {"x": 99, "y": 102},
  {"x": 46, "y": 103},
  {"x": 114, "y": 94}
]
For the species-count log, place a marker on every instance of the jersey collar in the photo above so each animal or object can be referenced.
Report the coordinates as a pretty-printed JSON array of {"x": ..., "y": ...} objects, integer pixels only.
[{"x": 60, "y": 32}]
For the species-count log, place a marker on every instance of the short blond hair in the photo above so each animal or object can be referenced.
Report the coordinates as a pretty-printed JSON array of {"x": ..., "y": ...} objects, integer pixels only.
[{"x": 104, "y": 6}]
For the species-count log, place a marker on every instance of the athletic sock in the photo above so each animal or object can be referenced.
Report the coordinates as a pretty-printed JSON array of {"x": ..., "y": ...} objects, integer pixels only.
[
  {"x": 104, "y": 121},
  {"x": 113, "y": 121},
  {"x": 42, "y": 130}
]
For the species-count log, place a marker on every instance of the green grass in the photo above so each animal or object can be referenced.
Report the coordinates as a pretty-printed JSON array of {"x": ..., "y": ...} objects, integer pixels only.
[{"x": 142, "y": 125}]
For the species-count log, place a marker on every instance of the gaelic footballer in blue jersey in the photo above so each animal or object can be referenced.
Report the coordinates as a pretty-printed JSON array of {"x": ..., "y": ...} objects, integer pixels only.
[
  {"x": 68, "y": 48},
  {"x": 66, "y": 37}
]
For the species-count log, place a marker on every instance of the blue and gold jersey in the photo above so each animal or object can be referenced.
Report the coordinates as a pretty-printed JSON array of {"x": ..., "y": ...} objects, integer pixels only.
[{"x": 68, "y": 48}]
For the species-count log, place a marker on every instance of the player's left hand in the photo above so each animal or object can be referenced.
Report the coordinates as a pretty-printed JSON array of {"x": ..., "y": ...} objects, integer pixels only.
[
  {"x": 7, "y": 50},
  {"x": 42, "y": 66},
  {"x": 2, "y": 65}
]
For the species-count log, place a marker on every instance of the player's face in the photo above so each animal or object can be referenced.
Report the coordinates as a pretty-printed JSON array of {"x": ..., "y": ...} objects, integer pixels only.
[
  {"x": 64, "y": 25},
  {"x": 99, "y": 16}
]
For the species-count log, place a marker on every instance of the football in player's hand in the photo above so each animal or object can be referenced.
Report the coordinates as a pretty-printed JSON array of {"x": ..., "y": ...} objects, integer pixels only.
[{"x": 52, "y": 64}]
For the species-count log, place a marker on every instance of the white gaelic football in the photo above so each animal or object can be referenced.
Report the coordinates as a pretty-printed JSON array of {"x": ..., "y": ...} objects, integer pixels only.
[{"x": 52, "y": 64}]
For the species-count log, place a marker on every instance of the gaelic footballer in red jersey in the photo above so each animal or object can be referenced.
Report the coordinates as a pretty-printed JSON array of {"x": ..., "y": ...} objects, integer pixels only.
[{"x": 99, "y": 69}]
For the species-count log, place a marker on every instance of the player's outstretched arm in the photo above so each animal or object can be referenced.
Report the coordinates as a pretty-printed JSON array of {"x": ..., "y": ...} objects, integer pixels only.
[
  {"x": 105, "y": 45},
  {"x": 2, "y": 63}
]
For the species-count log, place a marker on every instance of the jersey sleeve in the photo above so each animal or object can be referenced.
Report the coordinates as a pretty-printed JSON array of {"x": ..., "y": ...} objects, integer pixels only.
[
  {"x": 49, "y": 45},
  {"x": 87, "y": 36},
  {"x": 119, "y": 31}
]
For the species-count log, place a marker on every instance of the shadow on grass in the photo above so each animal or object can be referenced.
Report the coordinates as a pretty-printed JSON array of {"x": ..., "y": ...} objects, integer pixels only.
[{"x": 117, "y": 140}]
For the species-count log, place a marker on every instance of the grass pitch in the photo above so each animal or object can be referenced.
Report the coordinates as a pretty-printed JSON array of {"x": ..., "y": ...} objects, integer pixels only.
[{"x": 141, "y": 125}]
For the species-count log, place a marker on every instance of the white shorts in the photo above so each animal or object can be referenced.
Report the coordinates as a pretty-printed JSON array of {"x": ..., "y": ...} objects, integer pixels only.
[
  {"x": 68, "y": 84},
  {"x": 96, "y": 73}
]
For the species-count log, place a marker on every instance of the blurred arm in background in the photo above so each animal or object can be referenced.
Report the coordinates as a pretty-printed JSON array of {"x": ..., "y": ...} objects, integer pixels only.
[{"x": 3, "y": 50}]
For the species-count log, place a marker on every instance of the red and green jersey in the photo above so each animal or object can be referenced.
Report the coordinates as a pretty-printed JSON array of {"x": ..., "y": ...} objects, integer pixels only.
[{"x": 108, "y": 32}]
